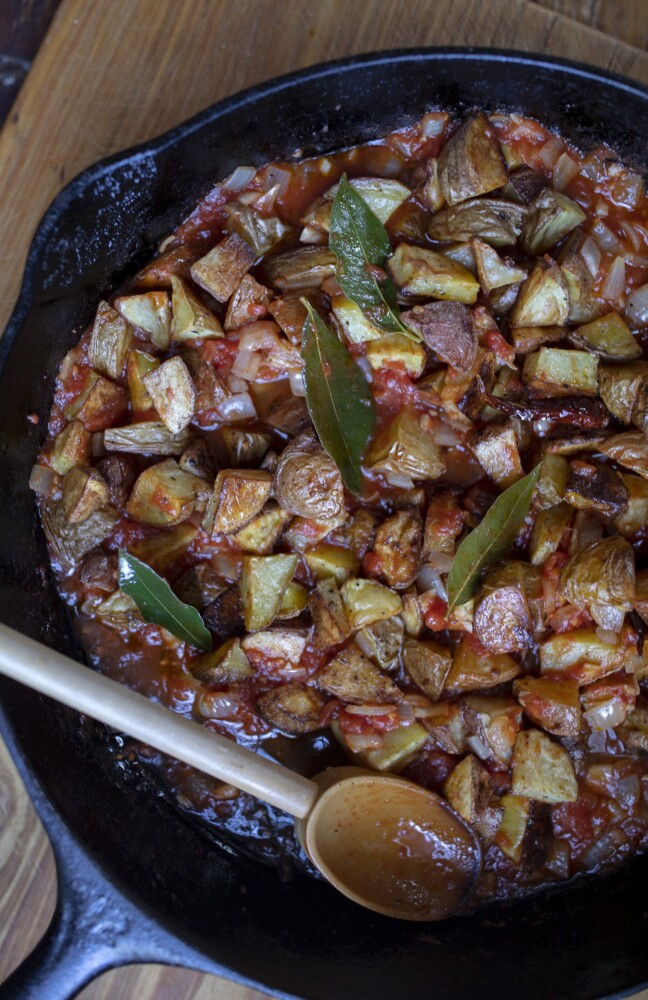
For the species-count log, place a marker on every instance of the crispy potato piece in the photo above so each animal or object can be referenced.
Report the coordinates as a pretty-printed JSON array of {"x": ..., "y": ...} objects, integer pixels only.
[
  {"x": 496, "y": 450},
  {"x": 561, "y": 373},
  {"x": 383, "y": 195},
  {"x": 495, "y": 220},
  {"x": 197, "y": 459},
  {"x": 492, "y": 270},
  {"x": 110, "y": 342},
  {"x": 581, "y": 654},
  {"x": 548, "y": 530},
  {"x": 461, "y": 393},
  {"x": 428, "y": 664},
  {"x": 84, "y": 492},
  {"x": 191, "y": 318},
  {"x": 224, "y": 614},
  {"x": 275, "y": 649},
  {"x": 262, "y": 232},
  {"x": 398, "y": 547},
  {"x": 398, "y": 746},
  {"x": 550, "y": 702},
  {"x": 293, "y": 602},
  {"x": 583, "y": 304},
  {"x": 305, "y": 532},
  {"x": 524, "y": 184},
  {"x": 120, "y": 472},
  {"x": 468, "y": 790},
  {"x": 211, "y": 389},
  {"x": 161, "y": 551},
  {"x": 392, "y": 349},
  {"x": 262, "y": 586},
  {"x": 353, "y": 322},
  {"x": 173, "y": 393},
  {"x": 382, "y": 642},
  {"x": 201, "y": 584},
  {"x": 101, "y": 404},
  {"x": 357, "y": 533},
  {"x": 542, "y": 770},
  {"x": 512, "y": 831},
  {"x": 353, "y": 678},
  {"x": 226, "y": 665},
  {"x": 551, "y": 217},
  {"x": 238, "y": 496},
  {"x": 290, "y": 315},
  {"x": 634, "y": 730},
  {"x": 71, "y": 541},
  {"x": 543, "y": 299},
  {"x": 262, "y": 533},
  {"x": 474, "y": 667},
  {"x": 244, "y": 448},
  {"x": 419, "y": 271},
  {"x": 306, "y": 267},
  {"x": 220, "y": 271},
  {"x": 609, "y": 337},
  {"x": 502, "y": 620},
  {"x": 139, "y": 364},
  {"x": 411, "y": 614},
  {"x": 70, "y": 448},
  {"x": 119, "y": 611},
  {"x": 307, "y": 482},
  {"x": 331, "y": 625},
  {"x": 632, "y": 522},
  {"x": 528, "y": 339},
  {"x": 149, "y": 437},
  {"x": 249, "y": 302},
  {"x": 601, "y": 579},
  {"x": 629, "y": 449},
  {"x": 288, "y": 414},
  {"x": 164, "y": 494},
  {"x": 444, "y": 523},
  {"x": 151, "y": 313},
  {"x": 326, "y": 561},
  {"x": 619, "y": 387},
  {"x": 366, "y": 602},
  {"x": 596, "y": 487},
  {"x": 405, "y": 449},
  {"x": 448, "y": 329},
  {"x": 292, "y": 708},
  {"x": 471, "y": 162},
  {"x": 552, "y": 481}
]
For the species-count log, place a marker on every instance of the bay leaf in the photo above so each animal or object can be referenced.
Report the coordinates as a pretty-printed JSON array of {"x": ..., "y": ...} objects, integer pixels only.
[
  {"x": 338, "y": 398},
  {"x": 361, "y": 246},
  {"x": 491, "y": 540},
  {"x": 158, "y": 604}
]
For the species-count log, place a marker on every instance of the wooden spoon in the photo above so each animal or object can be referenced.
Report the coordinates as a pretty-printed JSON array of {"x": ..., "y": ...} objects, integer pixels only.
[{"x": 384, "y": 842}]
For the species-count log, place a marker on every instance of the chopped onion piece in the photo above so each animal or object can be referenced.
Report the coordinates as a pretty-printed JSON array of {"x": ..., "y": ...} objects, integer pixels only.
[
  {"x": 564, "y": 171},
  {"x": 602, "y": 849},
  {"x": 369, "y": 709},
  {"x": 246, "y": 366},
  {"x": 235, "y": 384},
  {"x": 478, "y": 747},
  {"x": 607, "y": 635},
  {"x": 633, "y": 236},
  {"x": 406, "y": 713},
  {"x": 401, "y": 482},
  {"x": 239, "y": 179},
  {"x": 591, "y": 255},
  {"x": 428, "y": 579},
  {"x": 441, "y": 561},
  {"x": 297, "y": 386},
  {"x": 227, "y": 566},
  {"x": 275, "y": 177},
  {"x": 238, "y": 407},
  {"x": 637, "y": 308},
  {"x": 614, "y": 285},
  {"x": 365, "y": 366},
  {"x": 433, "y": 123},
  {"x": 259, "y": 335},
  {"x": 43, "y": 481},
  {"x": 605, "y": 238},
  {"x": 551, "y": 151},
  {"x": 607, "y": 715},
  {"x": 218, "y": 704}
]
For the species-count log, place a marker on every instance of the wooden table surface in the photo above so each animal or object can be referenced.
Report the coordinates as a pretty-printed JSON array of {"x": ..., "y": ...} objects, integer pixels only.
[{"x": 114, "y": 72}]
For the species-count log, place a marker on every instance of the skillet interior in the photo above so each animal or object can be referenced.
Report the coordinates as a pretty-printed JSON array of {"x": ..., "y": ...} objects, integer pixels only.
[{"x": 300, "y": 938}]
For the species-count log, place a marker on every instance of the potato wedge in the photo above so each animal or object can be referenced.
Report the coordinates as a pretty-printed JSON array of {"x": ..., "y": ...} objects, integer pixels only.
[
  {"x": 307, "y": 481},
  {"x": 292, "y": 708},
  {"x": 275, "y": 650},
  {"x": 149, "y": 437},
  {"x": 542, "y": 770},
  {"x": 629, "y": 449},
  {"x": 398, "y": 746},
  {"x": 428, "y": 664},
  {"x": 331, "y": 561},
  {"x": 84, "y": 492},
  {"x": 495, "y": 220},
  {"x": 164, "y": 494},
  {"x": 398, "y": 547},
  {"x": 173, "y": 393},
  {"x": 262, "y": 586},
  {"x": 393, "y": 350},
  {"x": 496, "y": 450},
  {"x": 162, "y": 550},
  {"x": 304, "y": 268},
  {"x": 238, "y": 496},
  {"x": 367, "y": 601},
  {"x": 474, "y": 667},
  {"x": 468, "y": 789},
  {"x": 139, "y": 364},
  {"x": 581, "y": 654},
  {"x": 330, "y": 621},
  {"x": 609, "y": 337},
  {"x": 551, "y": 217},
  {"x": 260, "y": 535},
  {"x": 151, "y": 313},
  {"x": 596, "y": 487},
  {"x": 220, "y": 271},
  {"x": 561, "y": 373},
  {"x": 421, "y": 272},
  {"x": 471, "y": 162},
  {"x": 543, "y": 299},
  {"x": 110, "y": 342},
  {"x": 353, "y": 678},
  {"x": 382, "y": 642},
  {"x": 513, "y": 827},
  {"x": 492, "y": 270},
  {"x": 191, "y": 318},
  {"x": 548, "y": 530},
  {"x": 448, "y": 329},
  {"x": 261, "y": 232},
  {"x": 71, "y": 448},
  {"x": 227, "y": 664},
  {"x": 405, "y": 449},
  {"x": 552, "y": 702}
]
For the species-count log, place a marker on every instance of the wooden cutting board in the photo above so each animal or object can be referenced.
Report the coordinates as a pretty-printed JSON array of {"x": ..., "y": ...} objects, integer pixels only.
[{"x": 112, "y": 73}]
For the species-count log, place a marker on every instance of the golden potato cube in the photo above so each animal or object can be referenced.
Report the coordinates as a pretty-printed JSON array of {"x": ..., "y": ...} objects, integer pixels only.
[
  {"x": 71, "y": 447},
  {"x": 262, "y": 533},
  {"x": 164, "y": 494},
  {"x": 353, "y": 678},
  {"x": 366, "y": 602},
  {"x": 580, "y": 653},
  {"x": 405, "y": 449},
  {"x": 542, "y": 770},
  {"x": 220, "y": 271},
  {"x": 471, "y": 162},
  {"x": 173, "y": 393},
  {"x": 249, "y": 302},
  {"x": 100, "y": 404},
  {"x": 561, "y": 373},
  {"x": 551, "y": 217},
  {"x": 84, "y": 492},
  {"x": 428, "y": 664},
  {"x": 275, "y": 648},
  {"x": 543, "y": 299},
  {"x": 474, "y": 667},
  {"x": 294, "y": 601},
  {"x": 331, "y": 625},
  {"x": 325, "y": 561},
  {"x": 244, "y": 448},
  {"x": 513, "y": 826},
  {"x": 225, "y": 665},
  {"x": 553, "y": 703},
  {"x": 632, "y": 522},
  {"x": 395, "y": 348},
  {"x": 552, "y": 481},
  {"x": 620, "y": 387},
  {"x": 238, "y": 496},
  {"x": 422, "y": 272},
  {"x": 150, "y": 312},
  {"x": 496, "y": 450},
  {"x": 492, "y": 270},
  {"x": 148, "y": 437},
  {"x": 139, "y": 364},
  {"x": 161, "y": 551},
  {"x": 467, "y": 789},
  {"x": 548, "y": 530},
  {"x": 412, "y": 615},
  {"x": 398, "y": 548},
  {"x": 191, "y": 319},
  {"x": 355, "y": 325},
  {"x": 609, "y": 337},
  {"x": 292, "y": 708},
  {"x": 110, "y": 342},
  {"x": 262, "y": 586},
  {"x": 398, "y": 746},
  {"x": 383, "y": 195},
  {"x": 527, "y": 339}
]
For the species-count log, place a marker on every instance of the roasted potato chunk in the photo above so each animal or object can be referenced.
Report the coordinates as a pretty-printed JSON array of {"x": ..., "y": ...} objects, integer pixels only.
[
  {"x": 238, "y": 496},
  {"x": 405, "y": 449},
  {"x": 552, "y": 481},
  {"x": 471, "y": 162},
  {"x": 495, "y": 220},
  {"x": 149, "y": 437},
  {"x": 398, "y": 746},
  {"x": 84, "y": 492},
  {"x": 529, "y": 339},
  {"x": 100, "y": 404},
  {"x": 163, "y": 549},
  {"x": 201, "y": 584},
  {"x": 502, "y": 620},
  {"x": 150, "y": 313},
  {"x": 244, "y": 448},
  {"x": 582, "y": 654},
  {"x": 306, "y": 267},
  {"x": 428, "y": 664},
  {"x": 551, "y": 702},
  {"x": 496, "y": 450},
  {"x": 220, "y": 271},
  {"x": 548, "y": 530},
  {"x": 139, "y": 364},
  {"x": 192, "y": 320},
  {"x": 275, "y": 649},
  {"x": 421, "y": 272},
  {"x": 632, "y": 522},
  {"x": 382, "y": 642},
  {"x": 110, "y": 342},
  {"x": 331, "y": 625},
  {"x": 366, "y": 602},
  {"x": 164, "y": 494},
  {"x": 596, "y": 487},
  {"x": 293, "y": 602},
  {"x": 383, "y": 195},
  {"x": 262, "y": 232},
  {"x": 494, "y": 272},
  {"x": 393, "y": 349},
  {"x": 542, "y": 770},
  {"x": 249, "y": 302},
  {"x": 71, "y": 541},
  {"x": 474, "y": 667},
  {"x": 543, "y": 299},
  {"x": 197, "y": 459},
  {"x": 629, "y": 449},
  {"x": 609, "y": 337},
  {"x": 260, "y": 535},
  {"x": 353, "y": 322},
  {"x": 226, "y": 665},
  {"x": 448, "y": 329},
  {"x": 173, "y": 393},
  {"x": 71, "y": 448},
  {"x": 224, "y": 614},
  {"x": 468, "y": 790},
  {"x": 398, "y": 547},
  {"x": 601, "y": 579},
  {"x": 444, "y": 521},
  {"x": 120, "y": 472},
  {"x": 551, "y": 217},
  {"x": 556, "y": 372},
  {"x": 512, "y": 831},
  {"x": 331, "y": 561},
  {"x": 292, "y": 708},
  {"x": 307, "y": 481},
  {"x": 353, "y": 678},
  {"x": 262, "y": 586},
  {"x": 579, "y": 273}
]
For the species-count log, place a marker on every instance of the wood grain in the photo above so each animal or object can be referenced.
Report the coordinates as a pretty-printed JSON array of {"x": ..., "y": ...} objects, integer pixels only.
[{"x": 116, "y": 72}]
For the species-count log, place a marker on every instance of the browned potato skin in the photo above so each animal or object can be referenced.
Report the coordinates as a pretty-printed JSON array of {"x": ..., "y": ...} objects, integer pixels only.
[
  {"x": 307, "y": 482},
  {"x": 471, "y": 163},
  {"x": 468, "y": 790},
  {"x": 551, "y": 702},
  {"x": 221, "y": 270},
  {"x": 292, "y": 708},
  {"x": 543, "y": 299},
  {"x": 472, "y": 671},
  {"x": 398, "y": 546},
  {"x": 239, "y": 495},
  {"x": 226, "y": 665},
  {"x": 330, "y": 622},
  {"x": 84, "y": 491},
  {"x": 602, "y": 573},
  {"x": 495, "y": 220},
  {"x": 224, "y": 615},
  {"x": 249, "y": 302},
  {"x": 502, "y": 621},
  {"x": 428, "y": 664},
  {"x": 496, "y": 450},
  {"x": 629, "y": 449},
  {"x": 448, "y": 329},
  {"x": 353, "y": 678},
  {"x": 596, "y": 487}
]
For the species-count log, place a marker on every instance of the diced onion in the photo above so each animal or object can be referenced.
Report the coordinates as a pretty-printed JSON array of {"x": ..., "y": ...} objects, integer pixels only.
[
  {"x": 406, "y": 713},
  {"x": 43, "y": 481},
  {"x": 441, "y": 561},
  {"x": 357, "y": 742},
  {"x": 605, "y": 238},
  {"x": 444, "y": 434},
  {"x": 401, "y": 482},
  {"x": 603, "y": 848},
  {"x": 218, "y": 705},
  {"x": 607, "y": 635},
  {"x": 591, "y": 255},
  {"x": 246, "y": 366},
  {"x": 637, "y": 308},
  {"x": 608, "y": 617},
  {"x": 478, "y": 747},
  {"x": 564, "y": 171},
  {"x": 628, "y": 189},
  {"x": 365, "y": 366},
  {"x": 235, "y": 384},
  {"x": 275, "y": 177},
  {"x": 551, "y": 151},
  {"x": 227, "y": 566},
  {"x": 627, "y": 791},
  {"x": 614, "y": 285},
  {"x": 423, "y": 708},
  {"x": 368, "y": 709},
  {"x": 239, "y": 179},
  {"x": 297, "y": 386},
  {"x": 257, "y": 336},
  {"x": 237, "y": 407},
  {"x": 633, "y": 236},
  {"x": 428, "y": 580},
  {"x": 433, "y": 123},
  {"x": 607, "y": 715}
]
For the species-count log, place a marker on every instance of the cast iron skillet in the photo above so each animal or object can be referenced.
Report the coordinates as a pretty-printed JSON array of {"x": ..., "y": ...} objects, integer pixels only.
[{"x": 138, "y": 881}]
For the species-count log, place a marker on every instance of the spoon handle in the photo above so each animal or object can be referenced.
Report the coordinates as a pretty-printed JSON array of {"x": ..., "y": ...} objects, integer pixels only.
[{"x": 93, "y": 694}]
